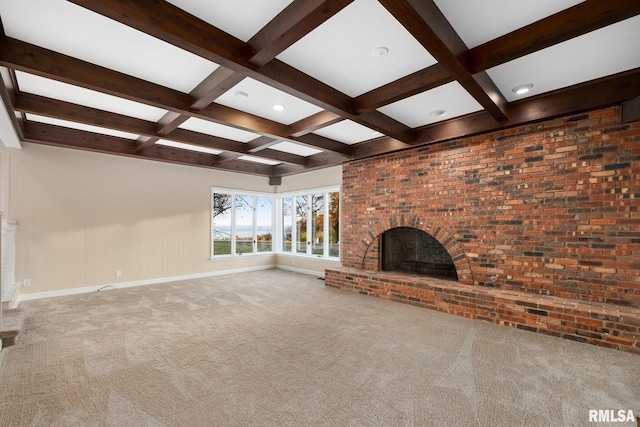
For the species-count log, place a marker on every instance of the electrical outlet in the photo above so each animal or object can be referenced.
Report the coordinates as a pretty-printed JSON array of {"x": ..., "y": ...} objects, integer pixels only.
[
  {"x": 118, "y": 273},
  {"x": 26, "y": 282}
]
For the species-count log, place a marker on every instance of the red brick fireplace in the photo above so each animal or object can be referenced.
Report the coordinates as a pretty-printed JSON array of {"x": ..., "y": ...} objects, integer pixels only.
[{"x": 541, "y": 222}]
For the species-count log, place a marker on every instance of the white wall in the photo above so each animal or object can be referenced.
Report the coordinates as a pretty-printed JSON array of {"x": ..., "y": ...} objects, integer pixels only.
[
  {"x": 314, "y": 179},
  {"x": 5, "y": 154},
  {"x": 83, "y": 216}
]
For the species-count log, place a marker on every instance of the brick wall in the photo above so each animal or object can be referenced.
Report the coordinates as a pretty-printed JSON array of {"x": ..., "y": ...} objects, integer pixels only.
[{"x": 549, "y": 208}]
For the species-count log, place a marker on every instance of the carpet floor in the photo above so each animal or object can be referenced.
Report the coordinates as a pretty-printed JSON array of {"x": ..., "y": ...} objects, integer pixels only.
[{"x": 276, "y": 348}]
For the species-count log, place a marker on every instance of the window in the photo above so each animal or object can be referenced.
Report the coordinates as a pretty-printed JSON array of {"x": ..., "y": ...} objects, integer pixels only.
[
  {"x": 264, "y": 224},
  {"x": 287, "y": 224},
  {"x": 241, "y": 223},
  {"x": 317, "y": 224},
  {"x": 302, "y": 224},
  {"x": 311, "y": 223},
  {"x": 334, "y": 224},
  {"x": 222, "y": 230}
]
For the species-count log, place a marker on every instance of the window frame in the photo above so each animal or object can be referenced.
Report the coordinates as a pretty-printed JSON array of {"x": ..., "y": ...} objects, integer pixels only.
[
  {"x": 325, "y": 191},
  {"x": 277, "y": 219},
  {"x": 234, "y": 193}
]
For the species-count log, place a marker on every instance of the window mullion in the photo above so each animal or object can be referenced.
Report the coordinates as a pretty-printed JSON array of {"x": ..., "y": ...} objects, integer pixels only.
[
  {"x": 233, "y": 225},
  {"x": 325, "y": 226},
  {"x": 309, "y": 223}
]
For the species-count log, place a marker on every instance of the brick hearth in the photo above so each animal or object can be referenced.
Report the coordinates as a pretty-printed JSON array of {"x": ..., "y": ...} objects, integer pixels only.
[
  {"x": 550, "y": 210},
  {"x": 606, "y": 325}
]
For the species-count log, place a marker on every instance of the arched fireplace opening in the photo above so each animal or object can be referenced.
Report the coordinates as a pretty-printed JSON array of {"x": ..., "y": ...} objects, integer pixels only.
[{"x": 413, "y": 251}]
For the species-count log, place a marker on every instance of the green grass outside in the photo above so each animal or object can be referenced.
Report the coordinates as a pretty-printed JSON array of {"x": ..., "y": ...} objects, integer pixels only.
[{"x": 223, "y": 247}]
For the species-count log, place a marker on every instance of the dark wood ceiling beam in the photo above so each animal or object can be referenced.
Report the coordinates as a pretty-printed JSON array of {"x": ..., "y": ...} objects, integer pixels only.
[
  {"x": 226, "y": 157},
  {"x": 54, "y": 108},
  {"x": 209, "y": 141},
  {"x": 243, "y": 166},
  {"x": 378, "y": 146},
  {"x": 169, "y": 122},
  {"x": 281, "y": 156},
  {"x": 427, "y": 24},
  {"x": 45, "y": 63},
  {"x": 317, "y": 141},
  {"x": 171, "y": 24},
  {"x": 298, "y": 19},
  {"x": 216, "y": 84},
  {"x": 313, "y": 123},
  {"x": 324, "y": 160},
  {"x": 260, "y": 143},
  {"x": 286, "y": 169},
  {"x": 145, "y": 142},
  {"x": 227, "y": 115},
  {"x": 70, "y": 138},
  {"x": 377, "y": 121},
  {"x": 275, "y": 155},
  {"x": 404, "y": 87},
  {"x": 303, "y": 86},
  {"x": 48, "y": 107},
  {"x": 175, "y": 26},
  {"x": 36, "y": 60},
  {"x": 588, "y": 96},
  {"x": 562, "y": 26}
]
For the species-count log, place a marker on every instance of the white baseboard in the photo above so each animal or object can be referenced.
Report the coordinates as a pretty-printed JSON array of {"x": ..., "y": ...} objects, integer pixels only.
[{"x": 88, "y": 289}]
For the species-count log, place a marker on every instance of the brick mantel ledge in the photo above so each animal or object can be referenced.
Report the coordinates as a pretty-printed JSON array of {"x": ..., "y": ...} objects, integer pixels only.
[{"x": 601, "y": 324}]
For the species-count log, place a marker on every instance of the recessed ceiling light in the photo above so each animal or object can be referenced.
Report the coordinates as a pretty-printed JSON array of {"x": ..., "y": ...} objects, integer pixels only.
[
  {"x": 522, "y": 89},
  {"x": 380, "y": 51},
  {"x": 437, "y": 113},
  {"x": 279, "y": 107}
]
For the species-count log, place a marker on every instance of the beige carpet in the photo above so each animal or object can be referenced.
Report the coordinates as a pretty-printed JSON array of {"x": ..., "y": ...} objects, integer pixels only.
[{"x": 274, "y": 348}]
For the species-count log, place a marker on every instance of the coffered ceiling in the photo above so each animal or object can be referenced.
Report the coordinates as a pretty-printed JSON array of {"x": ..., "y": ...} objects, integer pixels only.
[{"x": 280, "y": 87}]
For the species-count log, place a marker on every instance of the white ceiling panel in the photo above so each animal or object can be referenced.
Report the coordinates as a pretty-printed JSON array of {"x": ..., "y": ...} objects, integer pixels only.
[
  {"x": 442, "y": 103},
  {"x": 348, "y": 132},
  {"x": 297, "y": 149},
  {"x": 189, "y": 147},
  {"x": 64, "y": 27},
  {"x": 80, "y": 126},
  {"x": 215, "y": 129},
  {"x": 593, "y": 55},
  {"x": 240, "y": 18},
  {"x": 259, "y": 160},
  {"x": 259, "y": 99},
  {"x": 36, "y": 85},
  {"x": 342, "y": 51},
  {"x": 479, "y": 21}
]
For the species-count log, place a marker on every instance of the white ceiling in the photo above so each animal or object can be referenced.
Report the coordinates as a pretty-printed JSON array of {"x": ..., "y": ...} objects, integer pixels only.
[
  {"x": 216, "y": 129},
  {"x": 240, "y": 18},
  {"x": 36, "y": 85},
  {"x": 348, "y": 132},
  {"x": 583, "y": 58},
  {"x": 435, "y": 105},
  {"x": 341, "y": 52},
  {"x": 66, "y": 28},
  {"x": 259, "y": 99},
  {"x": 479, "y": 21}
]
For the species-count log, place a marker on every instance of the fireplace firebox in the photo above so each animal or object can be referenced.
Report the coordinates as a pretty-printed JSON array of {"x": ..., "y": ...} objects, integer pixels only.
[{"x": 412, "y": 251}]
